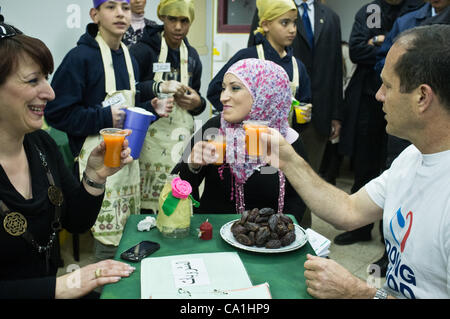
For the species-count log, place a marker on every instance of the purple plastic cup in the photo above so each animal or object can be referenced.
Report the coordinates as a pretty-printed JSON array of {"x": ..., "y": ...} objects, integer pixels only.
[{"x": 137, "y": 120}]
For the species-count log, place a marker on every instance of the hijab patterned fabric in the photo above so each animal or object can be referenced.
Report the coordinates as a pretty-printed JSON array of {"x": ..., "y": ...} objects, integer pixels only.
[{"x": 269, "y": 86}]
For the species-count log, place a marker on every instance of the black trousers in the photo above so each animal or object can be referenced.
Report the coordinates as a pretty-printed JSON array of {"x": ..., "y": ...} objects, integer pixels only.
[{"x": 369, "y": 155}]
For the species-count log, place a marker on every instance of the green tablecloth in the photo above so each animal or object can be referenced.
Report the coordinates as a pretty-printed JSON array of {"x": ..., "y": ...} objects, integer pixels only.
[{"x": 283, "y": 272}]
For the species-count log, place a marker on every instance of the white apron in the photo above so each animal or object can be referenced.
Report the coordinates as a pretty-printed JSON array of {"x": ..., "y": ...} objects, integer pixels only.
[
  {"x": 295, "y": 79},
  {"x": 165, "y": 140},
  {"x": 122, "y": 192}
]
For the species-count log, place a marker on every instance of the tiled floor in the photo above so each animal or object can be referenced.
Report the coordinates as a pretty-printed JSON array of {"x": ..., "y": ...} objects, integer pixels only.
[{"x": 356, "y": 257}]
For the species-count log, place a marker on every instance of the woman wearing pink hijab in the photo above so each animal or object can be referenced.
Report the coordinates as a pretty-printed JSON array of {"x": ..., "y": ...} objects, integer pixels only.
[{"x": 252, "y": 89}]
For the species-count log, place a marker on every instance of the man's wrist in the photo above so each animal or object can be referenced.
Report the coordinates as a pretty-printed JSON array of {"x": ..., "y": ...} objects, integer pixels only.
[
  {"x": 380, "y": 294},
  {"x": 363, "y": 290}
]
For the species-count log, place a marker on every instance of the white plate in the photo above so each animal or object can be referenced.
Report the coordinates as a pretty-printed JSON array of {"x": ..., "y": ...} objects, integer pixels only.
[{"x": 300, "y": 240}]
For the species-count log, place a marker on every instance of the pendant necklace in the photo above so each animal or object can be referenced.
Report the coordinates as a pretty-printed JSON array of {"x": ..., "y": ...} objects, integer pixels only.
[{"x": 16, "y": 224}]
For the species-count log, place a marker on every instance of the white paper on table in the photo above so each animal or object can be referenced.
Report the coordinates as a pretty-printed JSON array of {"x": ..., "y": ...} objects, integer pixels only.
[
  {"x": 213, "y": 272},
  {"x": 189, "y": 272},
  {"x": 261, "y": 291},
  {"x": 319, "y": 243}
]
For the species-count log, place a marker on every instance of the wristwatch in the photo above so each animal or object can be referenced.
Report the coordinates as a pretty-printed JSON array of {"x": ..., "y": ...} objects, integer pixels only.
[
  {"x": 92, "y": 183},
  {"x": 380, "y": 294},
  {"x": 375, "y": 39}
]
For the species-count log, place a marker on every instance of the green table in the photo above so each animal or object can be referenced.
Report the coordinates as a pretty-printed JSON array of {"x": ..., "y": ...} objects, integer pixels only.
[{"x": 283, "y": 272}]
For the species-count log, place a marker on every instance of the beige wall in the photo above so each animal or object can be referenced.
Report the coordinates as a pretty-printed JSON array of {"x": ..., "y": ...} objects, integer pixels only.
[{"x": 197, "y": 32}]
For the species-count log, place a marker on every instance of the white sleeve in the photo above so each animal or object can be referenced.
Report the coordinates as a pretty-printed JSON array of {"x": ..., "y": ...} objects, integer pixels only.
[
  {"x": 376, "y": 189},
  {"x": 446, "y": 240},
  {"x": 448, "y": 271}
]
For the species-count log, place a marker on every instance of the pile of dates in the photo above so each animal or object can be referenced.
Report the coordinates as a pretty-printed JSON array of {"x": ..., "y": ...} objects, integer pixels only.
[{"x": 264, "y": 228}]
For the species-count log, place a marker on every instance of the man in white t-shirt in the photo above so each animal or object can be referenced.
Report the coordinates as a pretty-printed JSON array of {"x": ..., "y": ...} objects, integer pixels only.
[{"x": 412, "y": 196}]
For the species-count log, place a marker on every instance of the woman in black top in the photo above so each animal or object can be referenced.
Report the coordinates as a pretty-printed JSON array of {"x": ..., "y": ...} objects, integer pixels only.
[
  {"x": 253, "y": 89},
  {"x": 38, "y": 194}
]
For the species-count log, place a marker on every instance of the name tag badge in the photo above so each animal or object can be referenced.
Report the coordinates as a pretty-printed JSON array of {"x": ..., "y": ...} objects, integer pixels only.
[
  {"x": 117, "y": 99},
  {"x": 161, "y": 67}
]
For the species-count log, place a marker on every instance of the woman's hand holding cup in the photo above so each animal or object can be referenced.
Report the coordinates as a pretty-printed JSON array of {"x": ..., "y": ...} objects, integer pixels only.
[
  {"x": 96, "y": 168},
  {"x": 203, "y": 153}
]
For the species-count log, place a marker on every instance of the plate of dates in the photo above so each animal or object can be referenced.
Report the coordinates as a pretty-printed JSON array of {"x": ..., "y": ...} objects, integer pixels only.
[{"x": 264, "y": 231}]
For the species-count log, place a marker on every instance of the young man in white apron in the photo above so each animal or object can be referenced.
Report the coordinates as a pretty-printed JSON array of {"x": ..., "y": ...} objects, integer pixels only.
[
  {"x": 95, "y": 81},
  {"x": 168, "y": 64}
]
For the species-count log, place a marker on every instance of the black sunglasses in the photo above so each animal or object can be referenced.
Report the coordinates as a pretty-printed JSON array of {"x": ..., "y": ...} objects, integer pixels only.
[{"x": 8, "y": 31}]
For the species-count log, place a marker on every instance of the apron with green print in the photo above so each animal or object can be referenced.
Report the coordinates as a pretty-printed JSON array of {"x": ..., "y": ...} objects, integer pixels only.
[
  {"x": 122, "y": 192},
  {"x": 165, "y": 140}
]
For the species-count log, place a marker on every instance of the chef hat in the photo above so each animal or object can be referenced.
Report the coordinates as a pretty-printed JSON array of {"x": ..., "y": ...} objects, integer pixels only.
[
  {"x": 177, "y": 8},
  {"x": 272, "y": 9},
  {"x": 97, "y": 3}
]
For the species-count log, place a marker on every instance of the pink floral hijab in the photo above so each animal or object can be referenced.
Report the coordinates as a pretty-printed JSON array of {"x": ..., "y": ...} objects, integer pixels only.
[{"x": 269, "y": 86}]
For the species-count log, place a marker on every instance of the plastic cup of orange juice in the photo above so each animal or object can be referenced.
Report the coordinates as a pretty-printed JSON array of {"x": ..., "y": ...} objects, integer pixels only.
[
  {"x": 253, "y": 130},
  {"x": 113, "y": 138},
  {"x": 220, "y": 144}
]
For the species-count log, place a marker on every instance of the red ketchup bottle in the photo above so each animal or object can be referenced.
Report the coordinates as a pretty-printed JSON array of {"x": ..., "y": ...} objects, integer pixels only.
[{"x": 206, "y": 230}]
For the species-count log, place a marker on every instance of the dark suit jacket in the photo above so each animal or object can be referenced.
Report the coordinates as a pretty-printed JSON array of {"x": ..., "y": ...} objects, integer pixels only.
[
  {"x": 441, "y": 18},
  {"x": 324, "y": 64},
  {"x": 365, "y": 80}
]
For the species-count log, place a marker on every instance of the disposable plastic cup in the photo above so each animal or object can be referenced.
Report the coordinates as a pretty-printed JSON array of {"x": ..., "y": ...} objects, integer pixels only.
[
  {"x": 162, "y": 99},
  {"x": 303, "y": 113},
  {"x": 138, "y": 121},
  {"x": 113, "y": 138},
  {"x": 253, "y": 130},
  {"x": 220, "y": 144},
  {"x": 163, "y": 96}
]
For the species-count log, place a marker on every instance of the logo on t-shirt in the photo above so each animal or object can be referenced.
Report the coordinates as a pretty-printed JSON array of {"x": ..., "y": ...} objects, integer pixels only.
[
  {"x": 400, "y": 228},
  {"x": 400, "y": 277}
]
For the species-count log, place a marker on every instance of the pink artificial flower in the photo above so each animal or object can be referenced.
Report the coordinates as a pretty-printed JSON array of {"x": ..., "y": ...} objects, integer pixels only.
[{"x": 181, "y": 189}]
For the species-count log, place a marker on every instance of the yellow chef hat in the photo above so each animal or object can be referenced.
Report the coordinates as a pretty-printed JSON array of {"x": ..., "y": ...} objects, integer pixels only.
[
  {"x": 272, "y": 9},
  {"x": 177, "y": 8}
]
